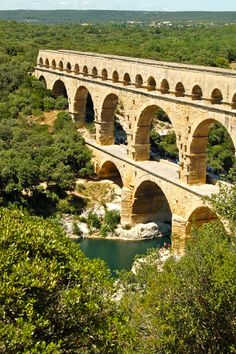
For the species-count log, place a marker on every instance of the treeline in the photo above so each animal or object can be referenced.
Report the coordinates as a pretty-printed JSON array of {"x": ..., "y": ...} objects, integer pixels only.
[
  {"x": 104, "y": 16},
  {"x": 204, "y": 46}
]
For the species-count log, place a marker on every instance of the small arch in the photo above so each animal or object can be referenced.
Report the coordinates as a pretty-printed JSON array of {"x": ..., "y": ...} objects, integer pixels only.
[
  {"x": 110, "y": 171},
  {"x": 41, "y": 62},
  {"x": 196, "y": 93},
  {"x": 179, "y": 90},
  {"x": 47, "y": 63},
  {"x": 233, "y": 103},
  {"x": 42, "y": 79},
  {"x": 60, "y": 65},
  {"x": 59, "y": 89},
  {"x": 165, "y": 87},
  {"x": 150, "y": 204},
  {"x": 76, "y": 69},
  {"x": 54, "y": 65},
  {"x": 115, "y": 76},
  {"x": 94, "y": 72},
  {"x": 85, "y": 70},
  {"x": 126, "y": 80},
  {"x": 68, "y": 67},
  {"x": 138, "y": 81},
  {"x": 104, "y": 74},
  {"x": 216, "y": 97},
  {"x": 151, "y": 84}
]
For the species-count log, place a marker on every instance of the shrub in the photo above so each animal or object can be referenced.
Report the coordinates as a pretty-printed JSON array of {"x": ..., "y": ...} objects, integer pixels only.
[
  {"x": 61, "y": 103},
  {"x": 112, "y": 219},
  {"x": 93, "y": 221},
  {"x": 76, "y": 229},
  {"x": 48, "y": 104}
]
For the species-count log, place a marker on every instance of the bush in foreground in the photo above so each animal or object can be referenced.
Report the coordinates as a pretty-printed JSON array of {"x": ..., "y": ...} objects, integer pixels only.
[{"x": 52, "y": 298}]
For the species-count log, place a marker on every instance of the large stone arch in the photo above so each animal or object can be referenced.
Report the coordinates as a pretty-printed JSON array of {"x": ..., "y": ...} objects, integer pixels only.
[
  {"x": 59, "y": 89},
  {"x": 197, "y": 149},
  {"x": 106, "y": 123},
  {"x": 83, "y": 106},
  {"x": 141, "y": 136},
  {"x": 150, "y": 203}
]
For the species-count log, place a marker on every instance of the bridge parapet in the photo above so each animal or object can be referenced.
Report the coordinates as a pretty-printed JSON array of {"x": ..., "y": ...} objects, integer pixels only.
[{"x": 212, "y": 85}]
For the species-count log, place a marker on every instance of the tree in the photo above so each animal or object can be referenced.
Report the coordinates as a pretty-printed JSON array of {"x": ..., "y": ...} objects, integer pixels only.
[
  {"x": 189, "y": 306},
  {"x": 53, "y": 299}
]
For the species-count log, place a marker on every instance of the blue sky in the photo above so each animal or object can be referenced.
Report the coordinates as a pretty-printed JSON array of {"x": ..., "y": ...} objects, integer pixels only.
[{"x": 158, "y": 5}]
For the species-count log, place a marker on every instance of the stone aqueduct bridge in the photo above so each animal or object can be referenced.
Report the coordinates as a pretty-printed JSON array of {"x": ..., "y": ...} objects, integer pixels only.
[{"x": 193, "y": 97}]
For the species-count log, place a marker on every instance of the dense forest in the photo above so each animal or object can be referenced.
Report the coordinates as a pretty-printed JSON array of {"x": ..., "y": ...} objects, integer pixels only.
[
  {"x": 52, "y": 298},
  {"x": 105, "y": 16}
]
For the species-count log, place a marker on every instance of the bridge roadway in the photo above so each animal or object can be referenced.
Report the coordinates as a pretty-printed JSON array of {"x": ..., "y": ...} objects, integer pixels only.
[{"x": 163, "y": 169}]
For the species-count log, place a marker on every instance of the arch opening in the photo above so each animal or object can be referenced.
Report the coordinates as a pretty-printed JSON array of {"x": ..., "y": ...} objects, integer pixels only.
[
  {"x": 60, "y": 65},
  {"x": 216, "y": 97},
  {"x": 233, "y": 104},
  {"x": 76, "y": 69},
  {"x": 126, "y": 80},
  {"x": 104, "y": 74},
  {"x": 212, "y": 154},
  {"x": 151, "y": 205},
  {"x": 196, "y": 93},
  {"x": 200, "y": 216},
  {"x": 179, "y": 90},
  {"x": 94, "y": 72},
  {"x": 110, "y": 171},
  {"x": 114, "y": 126},
  {"x": 54, "y": 65},
  {"x": 138, "y": 81},
  {"x": 68, "y": 67},
  {"x": 47, "y": 63},
  {"x": 164, "y": 87},
  {"x": 41, "y": 62},
  {"x": 42, "y": 79},
  {"x": 155, "y": 137},
  {"x": 59, "y": 89},
  {"x": 84, "y": 108},
  {"x": 151, "y": 84},
  {"x": 85, "y": 70},
  {"x": 115, "y": 76}
]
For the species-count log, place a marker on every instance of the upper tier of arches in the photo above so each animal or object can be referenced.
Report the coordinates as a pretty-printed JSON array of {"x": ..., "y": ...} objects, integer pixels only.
[{"x": 149, "y": 83}]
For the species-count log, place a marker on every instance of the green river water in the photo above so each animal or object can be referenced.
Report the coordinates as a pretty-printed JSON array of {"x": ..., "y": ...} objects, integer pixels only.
[{"x": 116, "y": 253}]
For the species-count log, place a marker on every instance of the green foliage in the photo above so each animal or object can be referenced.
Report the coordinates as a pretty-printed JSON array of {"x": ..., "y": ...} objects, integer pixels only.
[
  {"x": 110, "y": 222},
  {"x": 221, "y": 151},
  {"x": 76, "y": 229},
  {"x": 48, "y": 104},
  {"x": 61, "y": 103},
  {"x": 63, "y": 121},
  {"x": 31, "y": 155},
  {"x": 224, "y": 204},
  {"x": 112, "y": 218},
  {"x": 53, "y": 299},
  {"x": 93, "y": 221},
  {"x": 189, "y": 307}
]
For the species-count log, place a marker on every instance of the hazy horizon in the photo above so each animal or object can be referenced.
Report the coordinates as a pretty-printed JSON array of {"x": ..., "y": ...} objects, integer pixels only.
[{"x": 121, "y": 5}]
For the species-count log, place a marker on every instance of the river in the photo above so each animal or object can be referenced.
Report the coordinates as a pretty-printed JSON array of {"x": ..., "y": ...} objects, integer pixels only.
[{"x": 116, "y": 253}]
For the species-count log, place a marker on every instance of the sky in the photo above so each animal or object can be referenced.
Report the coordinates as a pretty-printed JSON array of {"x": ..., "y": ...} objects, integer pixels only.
[{"x": 149, "y": 5}]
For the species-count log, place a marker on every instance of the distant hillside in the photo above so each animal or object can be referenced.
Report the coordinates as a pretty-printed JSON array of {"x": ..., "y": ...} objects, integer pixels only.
[{"x": 99, "y": 16}]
